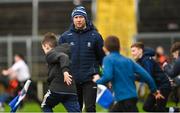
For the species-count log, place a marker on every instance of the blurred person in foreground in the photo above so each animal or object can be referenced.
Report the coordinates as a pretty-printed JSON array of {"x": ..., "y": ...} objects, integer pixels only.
[
  {"x": 173, "y": 71},
  {"x": 120, "y": 71},
  {"x": 144, "y": 57},
  {"x": 61, "y": 86},
  {"x": 87, "y": 54}
]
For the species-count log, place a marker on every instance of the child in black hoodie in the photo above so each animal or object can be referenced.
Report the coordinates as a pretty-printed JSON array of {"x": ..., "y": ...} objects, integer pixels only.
[{"x": 61, "y": 84}]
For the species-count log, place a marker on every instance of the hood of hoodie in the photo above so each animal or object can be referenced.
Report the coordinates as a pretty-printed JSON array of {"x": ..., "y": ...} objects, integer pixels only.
[
  {"x": 53, "y": 55},
  {"x": 65, "y": 48},
  {"x": 149, "y": 52}
]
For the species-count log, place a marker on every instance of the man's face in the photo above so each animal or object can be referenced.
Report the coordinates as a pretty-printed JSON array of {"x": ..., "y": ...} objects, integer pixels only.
[
  {"x": 79, "y": 22},
  {"x": 136, "y": 53}
]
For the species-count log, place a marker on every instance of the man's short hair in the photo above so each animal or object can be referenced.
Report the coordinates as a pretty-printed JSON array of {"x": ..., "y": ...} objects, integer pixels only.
[
  {"x": 175, "y": 47},
  {"x": 112, "y": 43},
  {"x": 50, "y": 39},
  {"x": 138, "y": 45}
]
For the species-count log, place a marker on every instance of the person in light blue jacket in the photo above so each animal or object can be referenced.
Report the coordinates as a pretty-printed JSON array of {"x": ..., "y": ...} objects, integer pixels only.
[{"x": 120, "y": 71}]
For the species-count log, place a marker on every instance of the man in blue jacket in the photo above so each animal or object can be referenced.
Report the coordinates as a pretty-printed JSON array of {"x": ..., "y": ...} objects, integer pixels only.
[
  {"x": 120, "y": 71},
  {"x": 87, "y": 54}
]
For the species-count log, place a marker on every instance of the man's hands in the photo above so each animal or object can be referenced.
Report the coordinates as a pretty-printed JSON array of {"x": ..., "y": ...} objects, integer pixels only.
[
  {"x": 158, "y": 95},
  {"x": 96, "y": 77},
  {"x": 67, "y": 78}
]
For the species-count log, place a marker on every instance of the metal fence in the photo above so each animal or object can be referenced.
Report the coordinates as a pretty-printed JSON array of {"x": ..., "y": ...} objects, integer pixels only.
[{"x": 27, "y": 46}]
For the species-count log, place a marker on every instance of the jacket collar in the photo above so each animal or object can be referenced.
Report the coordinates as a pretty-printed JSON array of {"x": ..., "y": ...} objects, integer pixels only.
[{"x": 89, "y": 26}]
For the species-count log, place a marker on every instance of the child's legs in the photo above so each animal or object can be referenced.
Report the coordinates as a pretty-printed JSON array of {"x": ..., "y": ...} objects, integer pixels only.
[
  {"x": 128, "y": 105},
  {"x": 50, "y": 100},
  {"x": 149, "y": 105},
  {"x": 71, "y": 103},
  {"x": 117, "y": 107},
  {"x": 153, "y": 105},
  {"x": 161, "y": 103}
]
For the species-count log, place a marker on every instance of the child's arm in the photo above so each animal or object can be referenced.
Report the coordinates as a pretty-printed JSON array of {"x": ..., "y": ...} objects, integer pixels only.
[
  {"x": 148, "y": 79},
  {"x": 64, "y": 65},
  {"x": 9, "y": 72},
  {"x": 107, "y": 72},
  {"x": 145, "y": 76}
]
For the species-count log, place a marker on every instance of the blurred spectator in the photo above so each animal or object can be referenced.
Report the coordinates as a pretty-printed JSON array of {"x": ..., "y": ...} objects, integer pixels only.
[
  {"x": 19, "y": 70},
  {"x": 14, "y": 77},
  {"x": 160, "y": 55},
  {"x": 173, "y": 70}
]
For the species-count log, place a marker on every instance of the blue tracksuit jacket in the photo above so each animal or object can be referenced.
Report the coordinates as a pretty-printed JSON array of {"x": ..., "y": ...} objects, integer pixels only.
[{"x": 121, "y": 72}]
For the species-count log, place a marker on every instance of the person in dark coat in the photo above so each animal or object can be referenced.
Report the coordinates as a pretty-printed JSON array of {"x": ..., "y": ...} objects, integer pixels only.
[
  {"x": 144, "y": 56},
  {"x": 174, "y": 71},
  {"x": 60, "y": 81},
  {"x": 87, "y": 54}
]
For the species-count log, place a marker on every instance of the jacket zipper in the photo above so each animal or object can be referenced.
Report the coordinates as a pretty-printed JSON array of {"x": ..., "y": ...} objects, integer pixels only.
[{"x": 79, "y": 43}]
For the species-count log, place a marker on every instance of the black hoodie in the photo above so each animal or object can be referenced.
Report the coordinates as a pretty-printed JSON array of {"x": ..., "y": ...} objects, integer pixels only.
[
  {"x": 153, "y": 68},
  {"x": 58, "y": 62},
  {"x": 173, "y": 70}
]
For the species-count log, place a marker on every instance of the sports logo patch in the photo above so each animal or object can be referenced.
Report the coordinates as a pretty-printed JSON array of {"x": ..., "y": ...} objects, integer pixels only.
[
  {"x": 72, "y": 43},
  {"x": 89, "y": 44}
]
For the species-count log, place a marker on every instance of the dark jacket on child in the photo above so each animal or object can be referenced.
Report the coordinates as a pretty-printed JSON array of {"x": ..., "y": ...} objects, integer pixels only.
[
  {"x": 173, "y": 70},
  {"x": 154, "y": 69},
  {"x": 58, "y": 62}
]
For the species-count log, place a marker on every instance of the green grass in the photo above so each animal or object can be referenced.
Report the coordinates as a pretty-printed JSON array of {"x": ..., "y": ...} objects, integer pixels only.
[{"x": 33, "y": 107}]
